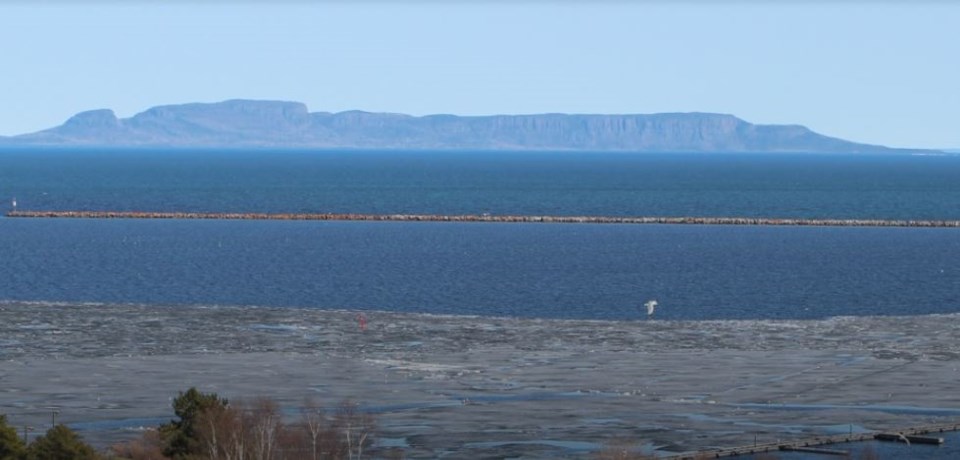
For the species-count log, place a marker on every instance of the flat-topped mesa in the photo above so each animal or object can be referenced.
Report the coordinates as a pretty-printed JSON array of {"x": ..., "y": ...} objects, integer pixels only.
[
  {"x": 492, "y": 218},
  {"x": 284, "y": 124}
]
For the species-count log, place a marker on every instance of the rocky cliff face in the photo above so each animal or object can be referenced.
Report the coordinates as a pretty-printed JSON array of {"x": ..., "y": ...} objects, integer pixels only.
[{"x": 244, "y": 123}]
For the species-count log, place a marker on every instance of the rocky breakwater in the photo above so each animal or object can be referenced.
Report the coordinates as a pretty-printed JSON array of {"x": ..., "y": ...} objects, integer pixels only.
[{"x": 491, "y": 218}]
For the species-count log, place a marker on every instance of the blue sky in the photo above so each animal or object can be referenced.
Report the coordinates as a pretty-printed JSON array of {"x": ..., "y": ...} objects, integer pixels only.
[{"x": 870, "y": 71}]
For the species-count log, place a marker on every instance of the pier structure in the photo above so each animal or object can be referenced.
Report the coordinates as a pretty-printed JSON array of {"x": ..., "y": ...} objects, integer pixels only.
[
  {"x": 815, "y": 445},
  {"x": 491, "y": 218}
]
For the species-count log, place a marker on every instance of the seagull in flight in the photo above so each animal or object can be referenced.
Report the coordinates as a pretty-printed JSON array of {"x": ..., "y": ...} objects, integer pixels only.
[{"x": 651, "y": 306}]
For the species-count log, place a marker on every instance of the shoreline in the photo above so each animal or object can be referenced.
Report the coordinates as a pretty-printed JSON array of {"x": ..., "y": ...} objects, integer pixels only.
[
  {"x": 740, "y": 221},
  {"x": 457, "y": 316},
  {"x": 670, "y": 387}
]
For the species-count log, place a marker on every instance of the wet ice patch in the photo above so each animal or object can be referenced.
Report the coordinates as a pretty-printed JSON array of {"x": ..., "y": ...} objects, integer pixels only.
[
  {"x": 275, "y": 327},
  {"x": 568, "y": 445}
]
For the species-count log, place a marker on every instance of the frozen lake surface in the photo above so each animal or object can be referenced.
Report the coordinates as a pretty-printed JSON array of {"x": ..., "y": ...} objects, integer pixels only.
[{"x": 487, "y": 386}]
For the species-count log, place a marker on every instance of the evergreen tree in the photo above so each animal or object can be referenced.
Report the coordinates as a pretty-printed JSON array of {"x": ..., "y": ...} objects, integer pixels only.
[
  {"x": 181, "y": 437},
  {"x": 60, "y": 443},
  {"x": 11, "y": 447}
]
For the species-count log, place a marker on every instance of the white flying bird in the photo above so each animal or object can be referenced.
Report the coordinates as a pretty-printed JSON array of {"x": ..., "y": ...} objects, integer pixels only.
[{"x": 651, "y": 306}]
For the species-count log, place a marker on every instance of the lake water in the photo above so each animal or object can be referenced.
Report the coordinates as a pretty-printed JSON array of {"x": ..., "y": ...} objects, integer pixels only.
[
  {"x": 533, "y": 270},
  {"x": 615, "y": 184}
]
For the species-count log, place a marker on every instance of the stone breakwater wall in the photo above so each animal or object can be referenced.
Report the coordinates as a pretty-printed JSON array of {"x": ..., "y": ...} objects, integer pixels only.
[{"x": 493, "y": 218}]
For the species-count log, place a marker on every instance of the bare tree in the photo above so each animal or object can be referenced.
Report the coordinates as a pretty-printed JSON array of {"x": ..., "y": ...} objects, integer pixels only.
[
  {"x": 357, "y": 428},
  {"x": 314, "y": 423},
  {"x": 222, "y": 433},
  {"x": 869, "y": 453},
  {"x": 621, "y": 449},
  {"x": 148, "y": 447},
  {"x": 262, "y": 421}
]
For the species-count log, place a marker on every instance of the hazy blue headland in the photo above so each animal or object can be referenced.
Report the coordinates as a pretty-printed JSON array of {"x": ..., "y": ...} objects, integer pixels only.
[{"x": 250, "y": 123}]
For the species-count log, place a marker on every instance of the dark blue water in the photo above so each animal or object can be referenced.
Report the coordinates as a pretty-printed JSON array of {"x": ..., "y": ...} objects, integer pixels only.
[
  {"x": 777, "y": 185},
  {"x": 557, "y": 271}
]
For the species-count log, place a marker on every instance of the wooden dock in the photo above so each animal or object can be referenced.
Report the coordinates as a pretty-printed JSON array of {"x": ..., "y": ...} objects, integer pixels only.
[
  {"x": 909, "y": 439},
  {"x": 491, "y": 218},
  {"x": 816, "y": 450},
  {"x": 815, "y": 444}
]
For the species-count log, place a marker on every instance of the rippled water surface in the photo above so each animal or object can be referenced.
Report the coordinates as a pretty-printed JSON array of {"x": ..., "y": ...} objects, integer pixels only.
[
  {"x": 541, "y": 270},
  {"x": 766, "y": 185},
  {"x": 538, "y": 270}
]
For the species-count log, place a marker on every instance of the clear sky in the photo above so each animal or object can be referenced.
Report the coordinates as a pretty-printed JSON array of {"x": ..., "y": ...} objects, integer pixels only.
[{"x": 870, "y": 71}]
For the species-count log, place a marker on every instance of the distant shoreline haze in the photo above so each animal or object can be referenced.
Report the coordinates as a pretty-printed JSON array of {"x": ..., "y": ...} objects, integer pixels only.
[{"x": 250, "y": 123}]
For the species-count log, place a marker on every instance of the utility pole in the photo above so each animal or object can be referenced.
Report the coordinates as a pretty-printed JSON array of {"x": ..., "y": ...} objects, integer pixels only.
[
  {"x": 53, "y": 417},
  {"x": 26, "y": 429}
]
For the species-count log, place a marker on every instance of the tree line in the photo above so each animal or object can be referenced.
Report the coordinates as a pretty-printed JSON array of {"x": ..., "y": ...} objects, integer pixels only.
[
  {"x": 59, "y": 442},
  {"x": 208, "y": 427}
]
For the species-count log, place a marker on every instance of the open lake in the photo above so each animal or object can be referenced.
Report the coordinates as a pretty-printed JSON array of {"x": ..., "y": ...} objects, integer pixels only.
[{"x": 532, "y": 270}]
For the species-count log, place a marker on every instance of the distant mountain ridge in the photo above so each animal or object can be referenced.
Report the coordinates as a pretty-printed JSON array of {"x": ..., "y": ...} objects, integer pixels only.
[{"x": 251, "y": 123}]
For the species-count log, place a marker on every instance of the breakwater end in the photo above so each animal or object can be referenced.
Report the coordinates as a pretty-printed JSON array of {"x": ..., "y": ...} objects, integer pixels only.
[{"x": 491, "y": 218}]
